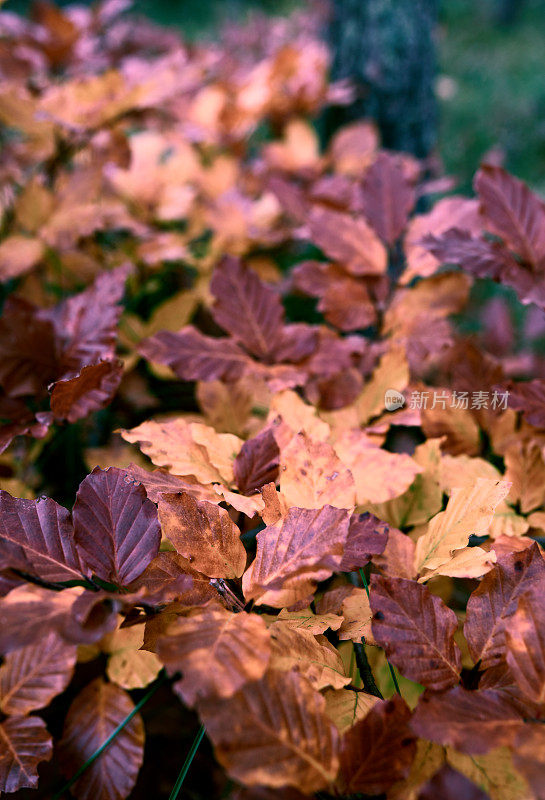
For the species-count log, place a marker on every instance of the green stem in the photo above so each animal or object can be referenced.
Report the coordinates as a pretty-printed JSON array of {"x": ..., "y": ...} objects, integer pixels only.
[
  {"x": 392, "y": 671},
  {"x": 110, "y": 738},
  {"x": 187, "y": 763}
]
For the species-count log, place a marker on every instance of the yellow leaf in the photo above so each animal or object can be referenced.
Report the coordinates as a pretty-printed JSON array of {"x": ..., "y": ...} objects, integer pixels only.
[{"x": 468, "y": 512}]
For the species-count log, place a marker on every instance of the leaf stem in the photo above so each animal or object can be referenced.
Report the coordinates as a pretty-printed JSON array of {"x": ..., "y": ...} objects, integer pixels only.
[
  {"x": 366, "y": 673},
  {"x": 187, "y": 763},
  {"x": 110, "y": 738},
  {"x": 392, "y": 671}
]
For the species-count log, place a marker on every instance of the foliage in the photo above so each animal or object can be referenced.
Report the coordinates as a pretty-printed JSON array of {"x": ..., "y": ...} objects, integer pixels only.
[{"x": 347, "y": 592}]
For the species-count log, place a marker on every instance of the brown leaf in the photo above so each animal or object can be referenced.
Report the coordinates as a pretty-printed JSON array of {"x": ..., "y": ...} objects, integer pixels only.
[
  {"x": 495, "y": 600},
  {"x": 312, "y": 656},
  {"x": 257, "y": 462},
  {"x": 416, "y": 630},
  {"x": 24, "y": 743},
  {"x": 164, "y": 580},
  {"x": 387, "y": 197},
  {"x": 349, "y": 241},
  {"x": 367, "y": 537},
  {"x": 513, "y": 212},
  {"x": 472, "y": 722},
  {"x": 28, "y": 612},
  {"x": 307, "y": 545},
  {"x": 93, "y": 716},
  {"x": 36, "y": 536},
  {"x": 525, "y": 643},
  {"x": 217, "y": 652},
  {"x": 274, "y": 733},
  {"x": 525, "y": 468},
  {"x": 397, "y": 559},
  {"x": 196, "y": 357},
  {"x": 91, "y": 389},
  {"x": 28, "y": 357},
  {"x": 245, "y": 307},
  {"x": 158, "y": 482},
  {"x": 32, "y": 676},
  {"x": 204, "y": 534},
  {"x": 116, "y": 528},
  {"x": 529, "y": 756},
  {"x": 378, "y": 750}
]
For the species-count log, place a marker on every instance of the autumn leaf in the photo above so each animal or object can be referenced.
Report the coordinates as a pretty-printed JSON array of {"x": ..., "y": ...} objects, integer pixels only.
[
  {"x": 204, "y": 534},
  {"x": 32, "y": 676},
  {"x": 36, "y": 536},
  {"x": 217, "y": 652},
  {"x": 25, "y": 743},
  {"x": 495, "y": 600},
  {"x": 378, "y": 750},
  {"x": 387, "y": 197},
  {"x": 416, "y": 630},
  {"x": 472, "y": 722},
  {"x": 469, "y": 512},
  {"x": 312, "y": 475},
  {"x": 311, "y": 655},
  {"x": 306, "y": 546},
  {"x": 275, "y": 733},
  {"x": 117, "y": 515},
  {"x": 95, "y": 713}
]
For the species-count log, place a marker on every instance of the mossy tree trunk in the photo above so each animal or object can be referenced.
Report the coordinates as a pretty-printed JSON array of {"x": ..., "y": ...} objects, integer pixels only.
[{"x": 386, "y": 49}]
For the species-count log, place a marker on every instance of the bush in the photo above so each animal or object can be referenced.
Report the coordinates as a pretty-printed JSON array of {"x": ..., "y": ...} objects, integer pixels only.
[{"x": 335, "y": 559}]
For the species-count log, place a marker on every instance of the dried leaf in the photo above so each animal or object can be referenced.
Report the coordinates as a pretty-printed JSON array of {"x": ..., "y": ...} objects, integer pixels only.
[
  {"x": 204, "y": 534},
  {"x": 93, "y": 716},
  {"x": 275, "y": 733},
  {"x": 32, "y": 676},
  {"x": 416, "y": 630},
  {"x": 116, "y": 528}
]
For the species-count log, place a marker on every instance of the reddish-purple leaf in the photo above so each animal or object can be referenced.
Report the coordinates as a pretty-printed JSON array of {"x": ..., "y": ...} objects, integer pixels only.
[
  {"x": 116, "y": 528},
  {"x": 257, "y": 462},
  {"x": 416, "y": 629},
  {"x": 387, "y": 197},
  {"x": 196, "y": 357},
  {"x": 32, "y": 676},
  {"x": 307, "y": 546},
  {"x": 245, "y": 307},
  {"x": 89, "y": 390},
  {"x": 378, "y": 750},
  {"x": 24, "y": 743},
  {"x": 86, "y": 324},
  {"x": 495, "y": 601},
  {"x": 528, "y": 397},
  {"x": 92, "y": 718},
  {"x": 513, "y": 212},
  {"x": 367, "y": 537},
  {"x": 36, "y": 537},
  {"x": 472, "y": 722}
]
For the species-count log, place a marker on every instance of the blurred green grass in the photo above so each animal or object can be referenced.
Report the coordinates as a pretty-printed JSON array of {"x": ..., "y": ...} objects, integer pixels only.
[{"x": 495, "y": 77}]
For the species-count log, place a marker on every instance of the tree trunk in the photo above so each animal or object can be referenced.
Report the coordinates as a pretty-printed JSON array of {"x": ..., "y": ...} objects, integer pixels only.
[{"x": 386, "y": 49}]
